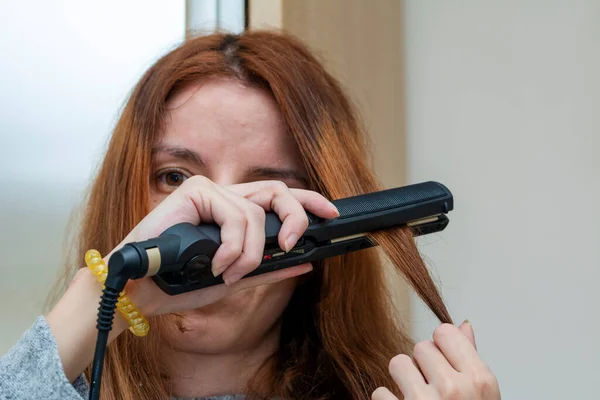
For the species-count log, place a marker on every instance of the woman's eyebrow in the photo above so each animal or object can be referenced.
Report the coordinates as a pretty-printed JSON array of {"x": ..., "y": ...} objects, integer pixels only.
[
  {"x": 181, "y": 153},
  {"x": 279, "y": 174}
]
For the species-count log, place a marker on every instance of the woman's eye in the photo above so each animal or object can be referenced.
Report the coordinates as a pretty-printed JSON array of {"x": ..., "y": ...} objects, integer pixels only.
[
  {"x": 170, "y": 180},
  {"x": 174, "y": 178}
]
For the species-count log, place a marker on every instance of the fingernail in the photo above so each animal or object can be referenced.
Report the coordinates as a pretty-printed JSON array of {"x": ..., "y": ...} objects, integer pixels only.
[
  {"x": 334, "y": 208},
  {"x": 230, "y": 280},
  {"x": 466, "y": 321},
  {"x": 290, "y": 242},
  {"x": 216, "y": 269}
]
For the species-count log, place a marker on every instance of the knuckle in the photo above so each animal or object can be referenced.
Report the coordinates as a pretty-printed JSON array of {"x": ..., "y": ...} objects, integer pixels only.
[
  {"x": 233, "y": 249},
  {"x": 279, "y": 186},
  {"x": 422, "y": 347},
  {"x": 486, "y": 384},
  {"x": 238, "y": 216},
  {"x": 196, "y": 181},
  {"x": 448, "y": 389},
  {"x": 195, "y": 187},
  {"x": 400, "y": 362},
  {"x": 256, "y": 211},
  {"x": 251, "y": 257},
  {"x": 275, "y": 186},
  {"x": 443, "y": 331}
]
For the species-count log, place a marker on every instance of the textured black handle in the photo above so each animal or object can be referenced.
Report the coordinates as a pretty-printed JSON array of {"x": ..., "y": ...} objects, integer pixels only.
[
  {"x": 189, "y": 270},
  {"x": 373, "y": 211},
  {"x": 402, "y": 197}
]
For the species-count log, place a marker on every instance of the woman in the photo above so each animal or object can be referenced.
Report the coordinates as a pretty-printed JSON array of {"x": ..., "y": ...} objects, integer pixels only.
[{"x": 222, "y": 129}]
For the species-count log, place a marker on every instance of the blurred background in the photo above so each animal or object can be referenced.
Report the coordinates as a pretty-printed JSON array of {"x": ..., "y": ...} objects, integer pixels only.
[{"x": 499, "y": 100}]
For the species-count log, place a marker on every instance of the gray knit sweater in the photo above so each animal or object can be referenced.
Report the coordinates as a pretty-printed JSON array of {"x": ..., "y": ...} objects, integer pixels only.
[{"x": 32, "y": 370}]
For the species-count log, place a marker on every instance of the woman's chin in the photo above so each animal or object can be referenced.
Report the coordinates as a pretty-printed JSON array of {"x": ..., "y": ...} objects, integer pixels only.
[
  {"x": 197, "y": 331},
  {"x": 238, "y": 322}
]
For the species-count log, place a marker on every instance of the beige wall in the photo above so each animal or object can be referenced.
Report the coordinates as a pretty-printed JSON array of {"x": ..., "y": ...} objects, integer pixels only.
[
  {"x": 359, "y": 41},
  {"x": 504, "y": 108},
  {"x": 361, "y": 44}
]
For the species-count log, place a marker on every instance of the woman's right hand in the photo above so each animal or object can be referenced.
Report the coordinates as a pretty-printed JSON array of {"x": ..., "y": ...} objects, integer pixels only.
[{"x": 240, "y": 212}]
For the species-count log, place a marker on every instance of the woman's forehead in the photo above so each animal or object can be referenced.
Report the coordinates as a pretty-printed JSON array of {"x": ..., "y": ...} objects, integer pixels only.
[
  {"x": 226, "y": 121},
  {"x": 226, "y": 105}
]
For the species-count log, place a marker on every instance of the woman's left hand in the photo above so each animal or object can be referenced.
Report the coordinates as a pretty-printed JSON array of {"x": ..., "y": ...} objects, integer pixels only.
[{"x": 447, "y": 368}]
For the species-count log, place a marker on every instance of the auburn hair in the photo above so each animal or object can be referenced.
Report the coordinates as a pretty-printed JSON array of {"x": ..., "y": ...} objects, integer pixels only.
[{"x": 339, "y": 330}]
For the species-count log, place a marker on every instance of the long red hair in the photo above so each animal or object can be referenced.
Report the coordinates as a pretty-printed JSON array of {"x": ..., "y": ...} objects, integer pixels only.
[{"x": 339, "y": 330}]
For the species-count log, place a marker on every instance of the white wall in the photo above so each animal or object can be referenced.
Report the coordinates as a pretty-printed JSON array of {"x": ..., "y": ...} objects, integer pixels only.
[
  {"x": 206, "y": 16},
  {"x": 504, "y": 107},
  {"x": 65, "y": 70}
]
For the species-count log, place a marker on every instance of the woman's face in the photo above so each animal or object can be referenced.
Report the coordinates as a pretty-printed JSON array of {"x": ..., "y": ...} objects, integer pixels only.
[{"x": 231, "y": 134}]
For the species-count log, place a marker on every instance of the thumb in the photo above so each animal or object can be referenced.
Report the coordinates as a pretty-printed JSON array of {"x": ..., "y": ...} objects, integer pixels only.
[{"x": 468, "y": 331}]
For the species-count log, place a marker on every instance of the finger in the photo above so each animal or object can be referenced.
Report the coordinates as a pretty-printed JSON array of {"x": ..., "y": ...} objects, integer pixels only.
[
  {"x": 311, "y": 201},
  {"x": 290, "y": 205},
  {"x": 316, "y": 203},
  {"x": 212, "y": 205},
  {"x": 467, "y": 329},
  {"x": 406, "y": 375},
  {"x": 233, "y": 231},
  {"x": 457, "y": 349},
  {"x": 276, "y": 196},
  {"x": 254, "y": 239},
  {"x": 382, "y": 393},
  {"x": 432, "y": 363},
  {"x": 293, "y": 217}
]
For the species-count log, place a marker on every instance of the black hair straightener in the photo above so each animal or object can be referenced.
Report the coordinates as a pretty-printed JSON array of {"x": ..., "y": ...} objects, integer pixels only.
[{"x": 179, "y": 260}]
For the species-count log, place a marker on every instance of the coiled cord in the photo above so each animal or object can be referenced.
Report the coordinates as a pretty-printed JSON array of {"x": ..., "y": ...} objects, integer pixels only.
[{"x": 138, "y": 325}]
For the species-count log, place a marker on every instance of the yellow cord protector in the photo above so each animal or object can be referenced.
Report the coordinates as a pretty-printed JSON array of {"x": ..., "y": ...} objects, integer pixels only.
[{"x": 138, "y": 324}]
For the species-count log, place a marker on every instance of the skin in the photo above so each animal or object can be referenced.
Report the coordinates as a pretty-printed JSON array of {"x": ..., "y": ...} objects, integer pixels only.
[
  {"x": 237, "y": 333},
  {"x": 447, "y": 367},
  {"x": 225, "y": 158}
]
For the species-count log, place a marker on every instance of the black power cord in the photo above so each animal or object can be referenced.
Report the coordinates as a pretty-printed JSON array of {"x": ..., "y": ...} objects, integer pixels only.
[
  {"x": 106, "y": 313},
  {"x": 127, "y": 263}
]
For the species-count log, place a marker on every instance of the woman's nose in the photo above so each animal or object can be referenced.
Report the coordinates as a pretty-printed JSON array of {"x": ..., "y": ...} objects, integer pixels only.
[{"x": 225, "y": 177}]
